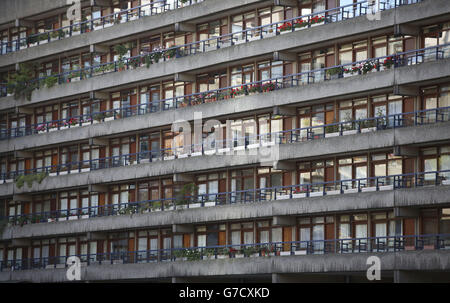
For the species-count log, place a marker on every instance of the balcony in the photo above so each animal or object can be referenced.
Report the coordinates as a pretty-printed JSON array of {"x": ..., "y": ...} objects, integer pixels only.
[
  {"x": 260, "y": 195},
  {"x": 360, "y": 68},
  {"x": 155, "y": 8},
  {"x": 221, "y": 42},
  {"x": 318, "y": 256}
]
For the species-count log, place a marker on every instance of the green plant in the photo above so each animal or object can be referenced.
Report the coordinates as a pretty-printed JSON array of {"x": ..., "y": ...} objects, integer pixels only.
[
  {"x": 335, "y": 71},
  {"x": 50, "y": 81},
  {"x": 43, "y": 37},
  {"x": 54, "y": 34},
  {"x": 20, "y": 83},
  {"x": 99, "y": 117},
  {"x": 186, "y": 193},
  {"x": 29, "y": 179},
  {"x": 332, "y": 128}
]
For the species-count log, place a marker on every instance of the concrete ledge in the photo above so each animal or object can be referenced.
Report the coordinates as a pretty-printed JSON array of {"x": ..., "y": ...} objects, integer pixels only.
[
  {"x": 430, "y": 196},
  {"x": 373, "y": 82},
  {"x": 331, "y": 264}
]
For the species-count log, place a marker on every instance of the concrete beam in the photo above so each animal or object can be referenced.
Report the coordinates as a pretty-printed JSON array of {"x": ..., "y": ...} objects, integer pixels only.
[
  {"x": 183, "y": 178},
  {"x": 101, "y": 3},
  {"x": 404, "y": 90},
  {"x": 406, "y": 212},
  {"x": 184, "y": 27},
  {"x": 20, "y": 154},
  {"x": 96, "y": 188},
  {"x": 184, "y": 77},
  {"x": 94, "y": 236},
  {"x": 22, "y": 198},
  {"x": 285, "y": 56},
  {"x": 99, "y": 49},
  {"x": 291, "y": 3},
  {"x": 408, "y": 151},
  {"x": 283, "y": 220},
  {"x": 406, "y": 30},
  {"x": 99, "y": 96},
  {"x": 20, "y": 242},
  {"x": 284, "y": 111},
  {"x": 98, "y": 142},
  {"x": 284, "y": 165},
  {"x": 24, "y": 23},
  {"x": 409, "y": 276},
  {"x": 183, "y": 228},
  {"x": 24, "y": 110},
  {"x": 180, "y": 280}
]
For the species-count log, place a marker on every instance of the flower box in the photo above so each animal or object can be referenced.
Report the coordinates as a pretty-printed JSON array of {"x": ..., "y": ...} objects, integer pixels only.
[
  {"x": 285, "y": 253},
  {"x": 253, "y": 146},
  {"x": 84, "y": 170},
  {"x": 270, "y": 143},
  {"x": 210, "y": 152},
  {"x": 300, "y": 252},
  {"x": 109, "y": 119},
  {"x": 445, "y": 182},
  {"x": 86, "y": 123},
  {"x": 386, "y": 187},
  {"x": 196, "y": 154},
  {"x": 169, "y": 158},
  {"x": 333, "y": 192},
  {"x": 74, "y": 171},
  {"x": 117, "y": 261},
  {"x": 223, "y": 150},
  {"x": 350, "y": 132},
  {"x": 367, "y": 130},
  {"x": 42, "y": 131},
  {"x": 332, "y": 135},
  {"x": 368, "y": 189},
  {"x": 182, "y": 206},
  {"x": 108, "y": 25},
  {"x": 428, "y": 247},
  {"x": 300, "y": 195},
  {"x": 241, "y": 147},
  {"x": 52, "y": 129},
  {"x": 62, "y": 219},
  {"x": 85, "y": 217},
  {"x": 209, "y": 257},
  {"x": 73, "y": 218},
  {"x": 63, "y": 172},
  {"x": 350, "y": 191},
  {"x": 144, "y": 161},
  {"x": 181, "y": 259},
  {"x": 208, "y": 204},
  {"x": 50, "y": 220},
  {"x": 239, "y": 256},
  {"x": 156, "y": 209},
  {"x": 52, "y": 174},
  {"x": 41, "y": 42},
  {"x": 316, "y": 194},
  {"x": 283, "y": 197},
  {"x": 63, "y": 127},
  {"x": 182, "y": 156},
  {"x": 195, "y": 205},
  {"x": 222, "y": 257}
]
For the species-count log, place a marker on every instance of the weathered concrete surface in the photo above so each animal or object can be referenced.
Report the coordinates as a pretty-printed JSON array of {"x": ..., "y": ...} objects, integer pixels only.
[
  {"x": 431, "y": 71},
  {"x": 224, "y": 56},
  {"x": 160, "y": 22},
  {"x": 331, "y": 263},
  {"x": 430, "y": 196},
  {"x": 376, "y": 140},
  {"x": 13, "y": 9}
]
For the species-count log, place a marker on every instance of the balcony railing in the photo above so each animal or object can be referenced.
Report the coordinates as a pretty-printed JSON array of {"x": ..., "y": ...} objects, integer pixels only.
[
  {"x": 256, "y": 33},
  {"x": 150, "y": 9},
  {"x": 293, "y": 80},
  {"x": 239, "y": 143},
  {"x": 382, "y": 244},
  {"x": 319, "y": 189}
]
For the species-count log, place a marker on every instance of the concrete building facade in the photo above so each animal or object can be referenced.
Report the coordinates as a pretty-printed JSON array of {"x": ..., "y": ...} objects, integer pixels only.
[{"x": 225, "y": 141}]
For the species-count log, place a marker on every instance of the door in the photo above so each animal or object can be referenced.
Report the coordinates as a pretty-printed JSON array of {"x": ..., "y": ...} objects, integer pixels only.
[
  {"x": 329, "y": 235},
  {"x": 287, "y": 237},
  {"x": 409, "y": 229}
]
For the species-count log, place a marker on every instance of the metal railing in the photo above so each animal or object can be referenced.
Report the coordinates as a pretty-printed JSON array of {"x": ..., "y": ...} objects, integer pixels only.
[
  {"x": 293, "y": 80},
  {"x": 227, "y": 146},
  {"x": 123, "y": 16},
  {"x": 256, "y": 33},
  {"x": 368, "y": 184},
  {"x": 381, "y": 244}
]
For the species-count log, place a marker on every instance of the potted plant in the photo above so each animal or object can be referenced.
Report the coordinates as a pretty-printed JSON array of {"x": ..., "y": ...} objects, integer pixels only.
[
  {"x": 43, "y": 38},
  {"x": 335, "y": 72},
  {"x": 388, "y": 62},
  {"x": 50, "y": 81},
  {"x": 54, "y": 35},
  {"x": 332, "y": 130}
]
